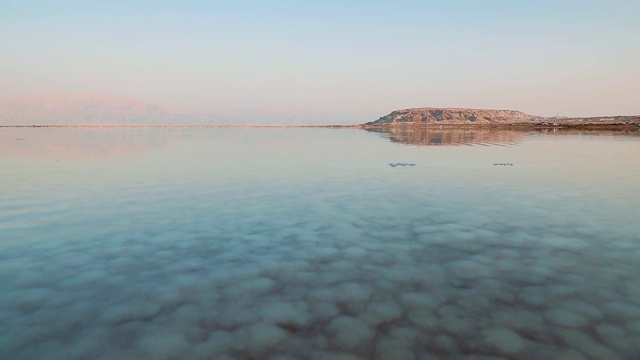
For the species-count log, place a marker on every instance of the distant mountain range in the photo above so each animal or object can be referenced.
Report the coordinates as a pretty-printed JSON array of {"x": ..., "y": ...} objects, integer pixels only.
[
  {"x": 81, "y": 110},
  {"x": 122, "y": 111},
  {"x": 456, "y": 116},
  {"x": 102, "y": 110}
]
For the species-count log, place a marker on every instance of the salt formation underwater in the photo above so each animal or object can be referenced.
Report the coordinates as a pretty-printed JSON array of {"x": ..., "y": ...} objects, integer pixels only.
[{"x": 306, "y": 244}]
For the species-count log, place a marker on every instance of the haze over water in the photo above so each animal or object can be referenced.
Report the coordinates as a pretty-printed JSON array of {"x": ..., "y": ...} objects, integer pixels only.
[{"x": 306, "y": 244}]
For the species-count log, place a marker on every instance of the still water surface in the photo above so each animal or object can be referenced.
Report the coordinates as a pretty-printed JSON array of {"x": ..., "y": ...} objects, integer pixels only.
[{"x": 306, "y": 244}]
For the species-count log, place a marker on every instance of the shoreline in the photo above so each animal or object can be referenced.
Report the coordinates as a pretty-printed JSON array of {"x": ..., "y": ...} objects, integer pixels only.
[
  {"x": 181, "y": 126},
  {"x": 515, "y": 126}
]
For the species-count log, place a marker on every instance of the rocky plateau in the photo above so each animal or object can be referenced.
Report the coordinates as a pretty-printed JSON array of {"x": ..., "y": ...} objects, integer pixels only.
[{"x": 458, "y": 116}]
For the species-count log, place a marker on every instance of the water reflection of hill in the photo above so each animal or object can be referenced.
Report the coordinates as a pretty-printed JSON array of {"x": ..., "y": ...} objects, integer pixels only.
[
  {"x": 424, "y": 136},
  {"x": 439, "y": 137}
]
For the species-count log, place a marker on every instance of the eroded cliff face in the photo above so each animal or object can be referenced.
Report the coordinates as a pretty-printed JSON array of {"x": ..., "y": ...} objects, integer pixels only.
[{"x": 454, "y": 116}]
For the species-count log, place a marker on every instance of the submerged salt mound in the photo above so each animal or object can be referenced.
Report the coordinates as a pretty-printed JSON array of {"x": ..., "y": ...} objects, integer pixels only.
[{"x": 439, "y": 289}]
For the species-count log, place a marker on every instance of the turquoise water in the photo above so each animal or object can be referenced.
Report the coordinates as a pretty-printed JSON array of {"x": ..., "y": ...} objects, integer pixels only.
[{"x": 307, "y": 244}]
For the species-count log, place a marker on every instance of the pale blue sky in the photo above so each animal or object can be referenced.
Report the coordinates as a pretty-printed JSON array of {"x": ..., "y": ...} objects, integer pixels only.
[{"x": 363, "y": 58}]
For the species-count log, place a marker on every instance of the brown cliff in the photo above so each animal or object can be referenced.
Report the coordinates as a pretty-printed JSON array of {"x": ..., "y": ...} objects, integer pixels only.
[{"x": 456, "y": 116}]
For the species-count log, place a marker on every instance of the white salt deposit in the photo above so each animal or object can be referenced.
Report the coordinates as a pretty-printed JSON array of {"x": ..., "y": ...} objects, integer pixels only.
[
  {"x": 504, "y": 340},
  {"x": 397, "y": 345},
  {"x": 565, "y": 318},
  {"x": 350, "y": 333},
  {"x": 161, "y": 344},
  {"x": 381, "y": 312},
  {"x": 260, "y": 338},
  {"x": 286, "y": 313}
]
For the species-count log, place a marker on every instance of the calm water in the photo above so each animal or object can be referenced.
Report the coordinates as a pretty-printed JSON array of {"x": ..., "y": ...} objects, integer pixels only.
[{"x": 306, "y": 244}]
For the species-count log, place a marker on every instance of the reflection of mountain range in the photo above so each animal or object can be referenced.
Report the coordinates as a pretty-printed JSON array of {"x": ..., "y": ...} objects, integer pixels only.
[
  {"x": 425, "y": 136},
  {"x": 60, "y": 143},
  {"x": 121, "y": 111}
]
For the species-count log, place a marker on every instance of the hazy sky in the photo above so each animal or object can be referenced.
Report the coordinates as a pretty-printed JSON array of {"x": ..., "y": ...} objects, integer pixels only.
[{"x": 566, "y": 57}]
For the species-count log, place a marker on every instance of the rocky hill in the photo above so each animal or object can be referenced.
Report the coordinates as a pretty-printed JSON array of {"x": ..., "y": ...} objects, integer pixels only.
[{"x": 455, "y": 116}]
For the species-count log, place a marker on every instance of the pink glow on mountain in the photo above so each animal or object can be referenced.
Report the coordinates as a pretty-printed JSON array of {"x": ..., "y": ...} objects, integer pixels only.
[{"x": 80, "y": 109}]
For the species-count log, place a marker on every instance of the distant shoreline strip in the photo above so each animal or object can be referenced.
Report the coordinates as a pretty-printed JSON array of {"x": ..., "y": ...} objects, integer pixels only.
[{"x": 385, "y": 126}]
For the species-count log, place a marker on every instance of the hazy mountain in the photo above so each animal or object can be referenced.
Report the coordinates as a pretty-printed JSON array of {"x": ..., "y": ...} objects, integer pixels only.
[
  {"x": 112, "y": 110},
  {"x": 81, "y": 110},
  {"x": 263, "y": 116}
]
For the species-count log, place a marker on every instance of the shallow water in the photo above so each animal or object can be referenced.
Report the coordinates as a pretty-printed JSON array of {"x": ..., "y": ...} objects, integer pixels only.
[{"x": 307, "y": 244}]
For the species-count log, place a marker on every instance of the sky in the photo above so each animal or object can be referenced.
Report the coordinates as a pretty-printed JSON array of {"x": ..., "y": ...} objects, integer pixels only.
[{"x": 360, "y": 59}]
